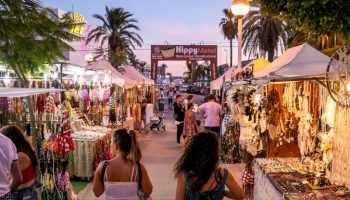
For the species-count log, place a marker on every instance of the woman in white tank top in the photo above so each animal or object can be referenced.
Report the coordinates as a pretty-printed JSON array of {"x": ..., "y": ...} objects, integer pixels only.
[{"x": 120, "y": 177}]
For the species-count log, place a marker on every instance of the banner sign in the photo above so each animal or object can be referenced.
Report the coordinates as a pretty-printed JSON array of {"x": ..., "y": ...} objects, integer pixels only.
[
  {"x": 79, "y": 24},
  {"x": 185, "y": 53}
]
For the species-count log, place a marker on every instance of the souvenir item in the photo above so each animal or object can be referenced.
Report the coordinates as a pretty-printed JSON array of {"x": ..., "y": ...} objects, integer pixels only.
[
  {"x": 340, "y": 191},
  {"x": 341, "y": 142},
  {"x": 319, "y": 183}
]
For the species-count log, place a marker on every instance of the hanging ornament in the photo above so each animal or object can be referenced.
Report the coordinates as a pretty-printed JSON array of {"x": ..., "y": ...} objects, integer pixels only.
[{"x": 338, "y": 76}]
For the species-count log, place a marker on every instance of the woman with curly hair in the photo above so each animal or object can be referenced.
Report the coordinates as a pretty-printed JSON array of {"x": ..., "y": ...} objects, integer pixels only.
[{"x": 199, "y": 175}]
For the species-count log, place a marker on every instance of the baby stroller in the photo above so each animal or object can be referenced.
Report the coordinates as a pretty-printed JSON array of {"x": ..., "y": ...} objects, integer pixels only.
[{"x": 157, "y": 125}]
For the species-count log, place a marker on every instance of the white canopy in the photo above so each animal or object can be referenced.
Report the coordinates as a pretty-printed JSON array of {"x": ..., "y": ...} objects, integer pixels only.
[
  {"x": 105, "y": 65},
  {"x": 257, "y": 65},
  {"x": 22, "y": 92},
  {"x": 134, "y": 74},
  {"x": 299, "y": 61},
  {"x": 217, "y": 83}
]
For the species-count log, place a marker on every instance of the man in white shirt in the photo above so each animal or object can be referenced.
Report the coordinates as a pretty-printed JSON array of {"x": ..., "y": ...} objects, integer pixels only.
[
  {"x": 211, "y": 112},
  {"x": 10, "y": 173},
  {"x": 170, "y": 98}
]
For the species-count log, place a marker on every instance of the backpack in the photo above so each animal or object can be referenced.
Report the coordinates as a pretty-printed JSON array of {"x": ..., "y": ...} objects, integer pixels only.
[{"x": 219, "y": 194}]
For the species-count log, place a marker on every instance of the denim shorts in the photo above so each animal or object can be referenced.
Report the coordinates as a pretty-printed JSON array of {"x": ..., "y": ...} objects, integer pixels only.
[
  {"x": 7, "y": 196},
  {"x": 26, "y": 194}
]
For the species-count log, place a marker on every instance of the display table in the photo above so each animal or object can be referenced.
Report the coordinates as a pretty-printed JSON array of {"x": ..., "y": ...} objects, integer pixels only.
[
  {"x": 286, "y": 184},
  {"x": 90, "y": 148}
]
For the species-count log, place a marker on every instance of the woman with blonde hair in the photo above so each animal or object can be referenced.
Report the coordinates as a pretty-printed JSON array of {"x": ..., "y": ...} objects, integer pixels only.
[{"x": 123, "y": 177}]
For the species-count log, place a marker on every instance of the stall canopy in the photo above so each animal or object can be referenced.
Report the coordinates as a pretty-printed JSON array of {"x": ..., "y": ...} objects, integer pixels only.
[
  {"x": 23, "y": 92},
  {"x": 257, "y": 65},
  {"x": 217, "y": 83},
  {"x": 299, "y": 61},
  {"x": 134, "y": 74},
  {"x": 115, "y": 75}
]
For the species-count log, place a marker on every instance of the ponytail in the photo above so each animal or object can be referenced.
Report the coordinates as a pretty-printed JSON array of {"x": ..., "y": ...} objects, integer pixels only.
[
  {"x": 135, "y": 153},
  {"x": 128, "y": 144}
]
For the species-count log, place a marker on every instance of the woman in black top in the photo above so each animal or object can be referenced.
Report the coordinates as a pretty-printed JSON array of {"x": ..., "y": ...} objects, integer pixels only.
[{"x": 199, "y": 175}]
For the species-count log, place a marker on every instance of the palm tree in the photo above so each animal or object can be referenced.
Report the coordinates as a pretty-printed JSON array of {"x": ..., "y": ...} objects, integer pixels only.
[
  {"x": 265, "y": 34},
  {"x": 170, "y": 76},
  {"x": 187, "y": 75},
  {"x": 229, "y": 28},
  {"x": 119, "y": 29},
  {"x": 137, "y": 64}
]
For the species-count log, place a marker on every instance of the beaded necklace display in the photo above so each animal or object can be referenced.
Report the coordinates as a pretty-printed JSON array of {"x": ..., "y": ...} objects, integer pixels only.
[{"x": 341, "y": 142}]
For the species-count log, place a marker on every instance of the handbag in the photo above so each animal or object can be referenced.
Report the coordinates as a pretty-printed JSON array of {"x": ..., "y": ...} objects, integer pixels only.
[{"x": 141, "y": 194}]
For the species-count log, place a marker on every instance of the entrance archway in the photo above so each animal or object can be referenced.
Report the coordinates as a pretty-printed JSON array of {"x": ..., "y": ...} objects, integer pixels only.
[{"x": 186, "y": 53}]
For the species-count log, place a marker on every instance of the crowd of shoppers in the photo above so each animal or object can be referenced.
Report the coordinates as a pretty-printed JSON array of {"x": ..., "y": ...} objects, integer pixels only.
[{"x": 198, "y": 173}]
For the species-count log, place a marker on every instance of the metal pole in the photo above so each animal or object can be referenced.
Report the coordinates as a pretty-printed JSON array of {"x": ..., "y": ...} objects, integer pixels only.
[
  {"x": 240, "y": 43},
  {"x": 61, "y": 71}
]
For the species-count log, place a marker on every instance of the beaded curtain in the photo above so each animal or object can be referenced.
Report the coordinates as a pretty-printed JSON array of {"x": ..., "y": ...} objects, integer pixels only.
[{"x": 341, "y": 142}]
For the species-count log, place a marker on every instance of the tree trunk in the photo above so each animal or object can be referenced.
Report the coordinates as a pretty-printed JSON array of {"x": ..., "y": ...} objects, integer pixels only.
[
  {"x": 270, "y": 54},
  {"x": 231, "y": 53},
  {"x": 24, "y": 82},
  {"x": 33, "y": 123}
]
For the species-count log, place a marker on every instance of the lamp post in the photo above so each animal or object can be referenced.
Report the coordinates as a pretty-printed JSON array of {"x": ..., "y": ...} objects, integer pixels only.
[
  {"x": 240, "y": 8},
  {"x": 226, "y": 55}
]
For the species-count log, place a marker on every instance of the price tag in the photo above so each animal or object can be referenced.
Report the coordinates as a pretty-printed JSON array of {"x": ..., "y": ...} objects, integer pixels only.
[
  {"x": 318, "y": 174},
  {"x": 305, "y": 182}
]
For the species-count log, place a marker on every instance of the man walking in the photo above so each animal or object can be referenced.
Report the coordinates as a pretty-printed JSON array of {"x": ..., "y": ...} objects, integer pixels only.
[
  {"x": 170, "y": 98},
  {"x": 179, "y": 118},
  {"x": 211, "y": 113}
]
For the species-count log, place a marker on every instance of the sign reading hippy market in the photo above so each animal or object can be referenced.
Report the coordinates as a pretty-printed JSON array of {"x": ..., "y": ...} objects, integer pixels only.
[{"x": 186, "y": 53}]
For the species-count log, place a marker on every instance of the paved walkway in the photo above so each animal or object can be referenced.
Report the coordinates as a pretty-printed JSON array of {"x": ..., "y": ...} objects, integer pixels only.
[
  {"x": 159, "y": 156},
  {"x": 160, "y": 153}
]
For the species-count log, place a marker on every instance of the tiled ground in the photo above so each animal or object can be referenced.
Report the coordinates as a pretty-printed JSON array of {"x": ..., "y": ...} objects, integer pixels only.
[{"x": 159, "y": 155}]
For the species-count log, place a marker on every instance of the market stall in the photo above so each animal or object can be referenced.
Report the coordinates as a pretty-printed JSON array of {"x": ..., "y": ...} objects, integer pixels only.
[
  {"x": 144, "y": 91},
  {"x": 290, "y": 115},
  {"x": 101, "y": 99},
  {"x": 52, "y": 125},
  {"x": 254, "y": 66}
]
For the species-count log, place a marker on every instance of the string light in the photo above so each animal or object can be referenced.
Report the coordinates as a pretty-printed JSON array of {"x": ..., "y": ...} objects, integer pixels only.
[
  {"x": 7, "y": 79},
  {"x": 95, "y": 78},
  {"x": 54, "y": 75},
  {"x": 105, "y": 80},
  {"x": 257, "y": 98}
]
